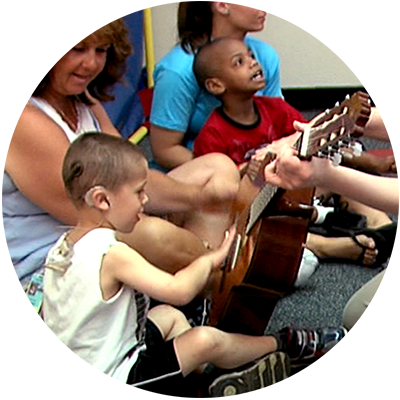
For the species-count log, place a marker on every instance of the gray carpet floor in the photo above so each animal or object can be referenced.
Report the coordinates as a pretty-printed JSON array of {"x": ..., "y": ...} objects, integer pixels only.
[{"x": 321, "y": 302}]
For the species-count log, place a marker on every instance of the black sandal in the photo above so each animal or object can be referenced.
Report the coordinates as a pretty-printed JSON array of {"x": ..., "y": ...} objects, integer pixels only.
[{"x": 383, "y": 237}]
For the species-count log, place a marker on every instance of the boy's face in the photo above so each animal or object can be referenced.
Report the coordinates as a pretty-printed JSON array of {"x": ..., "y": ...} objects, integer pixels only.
[
  {"x": 126, "y": 204},
  {"x": 238, "y": 70}
]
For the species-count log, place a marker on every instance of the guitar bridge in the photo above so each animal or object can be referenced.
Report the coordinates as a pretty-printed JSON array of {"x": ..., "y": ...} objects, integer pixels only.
[
  {"x": 236, "y": 248},
  {"x": 230, "y": 261}
]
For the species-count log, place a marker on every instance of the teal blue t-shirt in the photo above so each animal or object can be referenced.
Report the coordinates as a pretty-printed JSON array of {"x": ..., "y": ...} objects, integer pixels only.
[{"x": 178, "y": 102}]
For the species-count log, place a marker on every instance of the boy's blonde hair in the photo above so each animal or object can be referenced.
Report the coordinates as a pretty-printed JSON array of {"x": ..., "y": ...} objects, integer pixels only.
[{"x": 99, "y": 159}]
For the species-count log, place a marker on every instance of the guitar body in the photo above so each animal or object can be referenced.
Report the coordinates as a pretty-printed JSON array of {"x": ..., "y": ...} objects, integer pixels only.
[
  {"x": 272, "y": 226},
  {"x": 245, "y": 294}
]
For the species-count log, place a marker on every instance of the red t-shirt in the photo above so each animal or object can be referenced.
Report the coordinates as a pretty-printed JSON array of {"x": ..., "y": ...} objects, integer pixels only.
[{"x": 221, "y": 134}]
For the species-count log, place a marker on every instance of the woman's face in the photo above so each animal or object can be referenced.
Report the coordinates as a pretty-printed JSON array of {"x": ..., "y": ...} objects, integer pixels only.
[
  {"x": 246, "y": 19},
  {"x": 73, "y": 73}
]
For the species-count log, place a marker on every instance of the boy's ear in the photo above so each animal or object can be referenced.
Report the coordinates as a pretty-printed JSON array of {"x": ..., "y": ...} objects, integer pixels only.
[
  {"x": 97, "y": 197},
  {"x": 215, "y": 86}
]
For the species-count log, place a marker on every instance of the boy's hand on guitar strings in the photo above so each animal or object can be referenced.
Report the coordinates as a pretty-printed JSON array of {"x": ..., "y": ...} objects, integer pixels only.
[{"x": 220, "y": 254}]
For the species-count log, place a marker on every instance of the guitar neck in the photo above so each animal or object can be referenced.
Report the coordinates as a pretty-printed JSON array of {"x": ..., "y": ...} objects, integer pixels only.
[
  {"x": 322, "y": 138},
  {"x": 259, "y": 204}
]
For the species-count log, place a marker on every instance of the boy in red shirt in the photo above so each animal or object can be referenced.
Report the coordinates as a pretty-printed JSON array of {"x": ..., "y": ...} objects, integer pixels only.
[{"x": 227, "y": 69}]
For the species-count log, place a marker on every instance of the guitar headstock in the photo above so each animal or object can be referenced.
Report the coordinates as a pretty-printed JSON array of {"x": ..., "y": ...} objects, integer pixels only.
[{"x": 336, "y": 128}]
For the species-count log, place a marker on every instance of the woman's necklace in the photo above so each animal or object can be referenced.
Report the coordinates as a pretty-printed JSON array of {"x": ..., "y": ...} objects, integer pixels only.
[{"x": 70, "y": 118}]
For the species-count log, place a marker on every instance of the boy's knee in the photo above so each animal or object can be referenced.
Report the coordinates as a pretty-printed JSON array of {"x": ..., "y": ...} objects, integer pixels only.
[{"x": 207, "y": 339}]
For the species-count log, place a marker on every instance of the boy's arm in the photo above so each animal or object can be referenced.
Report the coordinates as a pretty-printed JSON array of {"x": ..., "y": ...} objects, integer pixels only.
[{"x": 123, "y": 265}]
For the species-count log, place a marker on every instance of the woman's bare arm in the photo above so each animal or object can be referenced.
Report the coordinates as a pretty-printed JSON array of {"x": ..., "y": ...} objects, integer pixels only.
[
  {"x": 167, "y": 147},
  {"x": 34, "y": 163}
]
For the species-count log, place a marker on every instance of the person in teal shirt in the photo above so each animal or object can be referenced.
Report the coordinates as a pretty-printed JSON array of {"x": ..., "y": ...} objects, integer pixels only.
[{"x": 180, "y": 107}]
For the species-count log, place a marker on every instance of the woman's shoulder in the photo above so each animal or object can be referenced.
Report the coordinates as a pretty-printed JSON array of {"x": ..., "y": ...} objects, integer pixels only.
[
  {"x": 18, "y": 114},
  {"x": 262, "y": 50},
  {"x": 35, "y": 124},
  {"x": 22, "y": 107},
  {"x": 176, "y": 60}
]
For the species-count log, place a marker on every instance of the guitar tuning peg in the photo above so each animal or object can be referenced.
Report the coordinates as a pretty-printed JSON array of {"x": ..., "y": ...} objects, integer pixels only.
[
  {"x": 336, "y": 159},
  {"x": 347, "y": 97},
  {"x": 357, "y": 148},
  {"x": 347, "y": 155},
  {"x": 337, "y": 104}
]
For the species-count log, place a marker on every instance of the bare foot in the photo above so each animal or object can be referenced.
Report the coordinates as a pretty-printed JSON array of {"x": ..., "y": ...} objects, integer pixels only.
[
  {"x": 344, "y": 248},
  {"x": 388, "y": 165}
]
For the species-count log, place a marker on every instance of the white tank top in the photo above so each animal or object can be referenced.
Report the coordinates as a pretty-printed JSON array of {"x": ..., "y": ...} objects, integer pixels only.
[
  {"x": 87, "y": 122},
  {"x": 108, "y": 334}
]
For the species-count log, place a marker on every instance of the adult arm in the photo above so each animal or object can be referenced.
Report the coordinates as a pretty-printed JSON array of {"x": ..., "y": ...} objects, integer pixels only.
[
  {"x": 289, "y": 172},
  {"x": 173, "y": 105},
  {"x": 167, "y": 148},
  {"x": 33, "y": 151},
  {"x": 34, "y": 163},
  {"x": 383, "y": 124}
]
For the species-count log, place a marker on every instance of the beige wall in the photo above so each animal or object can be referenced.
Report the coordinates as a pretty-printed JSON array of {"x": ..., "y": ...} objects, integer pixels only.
[{"x": 320, "y": 43}]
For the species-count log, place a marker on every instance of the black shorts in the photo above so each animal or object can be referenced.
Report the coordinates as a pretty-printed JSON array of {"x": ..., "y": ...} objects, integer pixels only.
[{"x": 157, "y": 368}]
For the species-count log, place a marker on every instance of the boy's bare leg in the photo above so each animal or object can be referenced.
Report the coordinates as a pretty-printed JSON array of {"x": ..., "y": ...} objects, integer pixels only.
[
  {"x": 205, "y": 344},
  {"x": 198, "y": 346},
  {"x": 170, "y": 321}
]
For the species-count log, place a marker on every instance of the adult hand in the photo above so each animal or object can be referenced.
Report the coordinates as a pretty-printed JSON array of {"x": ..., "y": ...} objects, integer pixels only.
[{"x": 289, "y": 172}]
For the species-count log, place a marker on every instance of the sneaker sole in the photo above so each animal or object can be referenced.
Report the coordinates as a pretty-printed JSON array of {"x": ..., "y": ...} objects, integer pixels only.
[{"x": 271, "y": 369}]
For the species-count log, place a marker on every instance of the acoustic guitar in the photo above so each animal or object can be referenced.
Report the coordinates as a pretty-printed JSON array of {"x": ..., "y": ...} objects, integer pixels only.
[{"x": 272, "y": 224}]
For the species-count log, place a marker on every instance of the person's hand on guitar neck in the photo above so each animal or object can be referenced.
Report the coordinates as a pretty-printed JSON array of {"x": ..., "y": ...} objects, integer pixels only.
[
  {"x": 270, "y": 150},
  {"x": 289, "y": 172}
]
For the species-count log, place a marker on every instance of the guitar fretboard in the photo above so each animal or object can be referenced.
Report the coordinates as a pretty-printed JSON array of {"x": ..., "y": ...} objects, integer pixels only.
[{"x": 259, "y": 204}]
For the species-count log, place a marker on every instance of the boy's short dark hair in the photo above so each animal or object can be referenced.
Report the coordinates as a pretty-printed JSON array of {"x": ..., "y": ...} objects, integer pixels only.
[
  {"x": 203, "y": 65},
  {"x": 99, "y": 159}
]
